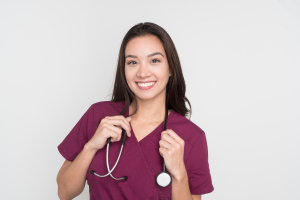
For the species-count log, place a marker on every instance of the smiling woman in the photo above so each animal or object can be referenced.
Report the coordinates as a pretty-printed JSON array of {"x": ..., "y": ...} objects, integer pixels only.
[
  {"x": 144, "y": 69},
  {"x": 149, "y": 81}
]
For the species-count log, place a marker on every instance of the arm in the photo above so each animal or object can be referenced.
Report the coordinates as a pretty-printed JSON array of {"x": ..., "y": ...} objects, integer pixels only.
[
  {"x": 71, "y": 177},
  {"x": 180, "y": 187}
]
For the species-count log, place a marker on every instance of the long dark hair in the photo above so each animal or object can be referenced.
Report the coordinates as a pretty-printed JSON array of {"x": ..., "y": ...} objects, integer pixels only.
[{"x": 175, "y": 97}]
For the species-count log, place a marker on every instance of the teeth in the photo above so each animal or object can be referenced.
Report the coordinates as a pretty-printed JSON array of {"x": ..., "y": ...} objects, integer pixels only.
[{"x": 146, "y": 84}]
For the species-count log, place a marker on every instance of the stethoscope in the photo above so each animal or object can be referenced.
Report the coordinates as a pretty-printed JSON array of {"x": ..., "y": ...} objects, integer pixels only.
[{"x": 163, "y": 179}]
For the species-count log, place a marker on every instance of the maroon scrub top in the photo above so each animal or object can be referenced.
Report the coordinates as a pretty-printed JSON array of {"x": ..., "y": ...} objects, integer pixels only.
[{"x": 140, "y": 161}]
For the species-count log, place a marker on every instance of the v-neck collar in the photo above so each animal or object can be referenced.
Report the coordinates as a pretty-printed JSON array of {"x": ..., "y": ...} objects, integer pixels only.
[{"x": 147, "y": 136}]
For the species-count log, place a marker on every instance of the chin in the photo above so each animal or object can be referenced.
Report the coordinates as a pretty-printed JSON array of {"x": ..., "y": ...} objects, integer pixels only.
[{"x": 145, "y": 96}]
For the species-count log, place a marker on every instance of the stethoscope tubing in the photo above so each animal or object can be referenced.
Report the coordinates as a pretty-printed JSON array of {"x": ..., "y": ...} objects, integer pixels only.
[
  {"x": 160, "y": 178},
  {"x": 107, "y": 162}
]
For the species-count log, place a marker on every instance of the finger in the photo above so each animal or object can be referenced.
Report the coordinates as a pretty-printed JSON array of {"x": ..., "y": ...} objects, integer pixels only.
[
  {"x": 119, "y": 117},
  {"x": 173, "y": 135},
  {"x": 162, "y": 151},
  {"x": 114, "y": 132},
  {"x": 165, "y": 144},
  {"x": 119, "y": 122},
  {"x": 126, "y": 121},
  {"x": 112, "y": 135},
  {"x": 166, "y": 137}
]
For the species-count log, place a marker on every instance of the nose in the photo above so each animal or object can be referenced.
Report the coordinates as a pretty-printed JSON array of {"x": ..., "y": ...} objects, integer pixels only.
[{"x": 144, "y": 70}]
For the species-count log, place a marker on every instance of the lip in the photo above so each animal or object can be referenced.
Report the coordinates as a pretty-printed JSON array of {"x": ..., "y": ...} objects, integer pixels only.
[
  {"x": 145, "y": 81},
  {"x": 145, "y": 88}
]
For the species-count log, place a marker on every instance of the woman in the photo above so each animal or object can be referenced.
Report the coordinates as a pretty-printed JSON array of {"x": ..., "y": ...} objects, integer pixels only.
[{"x": 148, "y": 80}]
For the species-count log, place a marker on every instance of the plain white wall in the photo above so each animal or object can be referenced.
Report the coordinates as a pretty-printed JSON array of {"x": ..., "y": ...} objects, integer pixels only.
[{"x": 241, "y": 65}]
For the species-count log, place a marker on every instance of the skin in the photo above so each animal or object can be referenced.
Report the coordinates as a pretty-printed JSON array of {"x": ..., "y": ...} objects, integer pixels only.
[{"x": 151, "y": 105}]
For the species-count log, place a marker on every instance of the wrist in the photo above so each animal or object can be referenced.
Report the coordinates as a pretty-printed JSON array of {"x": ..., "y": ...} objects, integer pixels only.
[
  {"x": 181, "y": 175},
  {"x": 88, "y": 147}
]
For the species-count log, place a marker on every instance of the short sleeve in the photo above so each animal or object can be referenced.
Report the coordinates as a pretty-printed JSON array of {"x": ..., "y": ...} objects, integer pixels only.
[
  {"x": 74, "y": 142},
  {"x": 198, "y": 167}
]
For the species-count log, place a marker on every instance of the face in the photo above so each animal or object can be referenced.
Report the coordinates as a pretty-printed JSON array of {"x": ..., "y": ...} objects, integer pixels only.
[{"x": 146, "y": 62}]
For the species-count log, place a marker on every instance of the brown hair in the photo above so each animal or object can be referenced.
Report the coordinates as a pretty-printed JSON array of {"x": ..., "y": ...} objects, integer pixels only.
[{"x": 175, "y": 97}]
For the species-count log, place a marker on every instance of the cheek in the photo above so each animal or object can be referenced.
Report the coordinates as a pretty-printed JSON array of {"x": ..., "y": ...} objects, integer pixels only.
[
  {"x": 163, "y": 69},
  {"x": 162, "y": 73},
  {"x": 128, "y": 74}
]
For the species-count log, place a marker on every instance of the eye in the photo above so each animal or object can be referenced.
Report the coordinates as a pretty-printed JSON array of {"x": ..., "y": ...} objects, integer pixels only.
[
  {"x": 131, "y": 62},
  {"x": 155, "y": 60}
]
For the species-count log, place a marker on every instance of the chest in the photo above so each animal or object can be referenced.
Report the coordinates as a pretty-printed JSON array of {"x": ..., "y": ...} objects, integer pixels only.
[{"x": 143, "y": 130}]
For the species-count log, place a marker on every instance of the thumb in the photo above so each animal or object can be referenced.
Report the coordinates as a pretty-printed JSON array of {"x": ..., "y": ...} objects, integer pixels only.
[{"x": 128, "y": 118}]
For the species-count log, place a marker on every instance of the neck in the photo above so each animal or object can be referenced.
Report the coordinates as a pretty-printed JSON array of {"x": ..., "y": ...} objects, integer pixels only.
[{"x": 148, "y": 111}]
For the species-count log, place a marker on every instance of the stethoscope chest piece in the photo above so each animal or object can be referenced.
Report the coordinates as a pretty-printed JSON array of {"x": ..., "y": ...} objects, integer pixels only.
[{"x": 163, "y": 179}]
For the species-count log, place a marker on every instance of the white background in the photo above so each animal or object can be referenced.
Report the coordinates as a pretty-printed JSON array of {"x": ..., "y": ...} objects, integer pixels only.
[{"x": 240, "y": 61}]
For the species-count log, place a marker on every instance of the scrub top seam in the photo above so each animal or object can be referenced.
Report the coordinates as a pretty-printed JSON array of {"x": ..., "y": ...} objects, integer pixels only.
[
  {"x": 193, "y": 147},
  {"x": 144, "y": 159},
  {"x": 142, "y": 154},
  {"x": 145, "y": 162}
]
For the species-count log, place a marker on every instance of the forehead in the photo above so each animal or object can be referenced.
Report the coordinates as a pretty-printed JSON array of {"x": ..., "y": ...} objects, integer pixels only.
[{"x": 144, "y": 45}]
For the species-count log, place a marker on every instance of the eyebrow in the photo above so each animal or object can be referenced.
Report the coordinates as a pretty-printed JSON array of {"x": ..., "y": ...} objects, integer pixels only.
[{"x": 153, "y": 54}]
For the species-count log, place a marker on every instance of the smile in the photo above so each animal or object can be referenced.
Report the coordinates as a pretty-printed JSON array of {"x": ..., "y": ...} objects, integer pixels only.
[{"x": 145, "y": 86}]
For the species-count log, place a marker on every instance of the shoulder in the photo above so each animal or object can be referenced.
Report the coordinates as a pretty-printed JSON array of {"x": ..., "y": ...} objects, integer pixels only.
[
  {"x": 185, "y": 128},
  {"x": 193, "y": 136}
]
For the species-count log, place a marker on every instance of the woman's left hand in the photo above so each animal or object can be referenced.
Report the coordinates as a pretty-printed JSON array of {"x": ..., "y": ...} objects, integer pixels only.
[{"x": 172, "y": 150}]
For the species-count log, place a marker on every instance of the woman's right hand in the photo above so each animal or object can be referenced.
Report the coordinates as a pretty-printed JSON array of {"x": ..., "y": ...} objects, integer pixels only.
[{"x": 110, "y": 126}]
